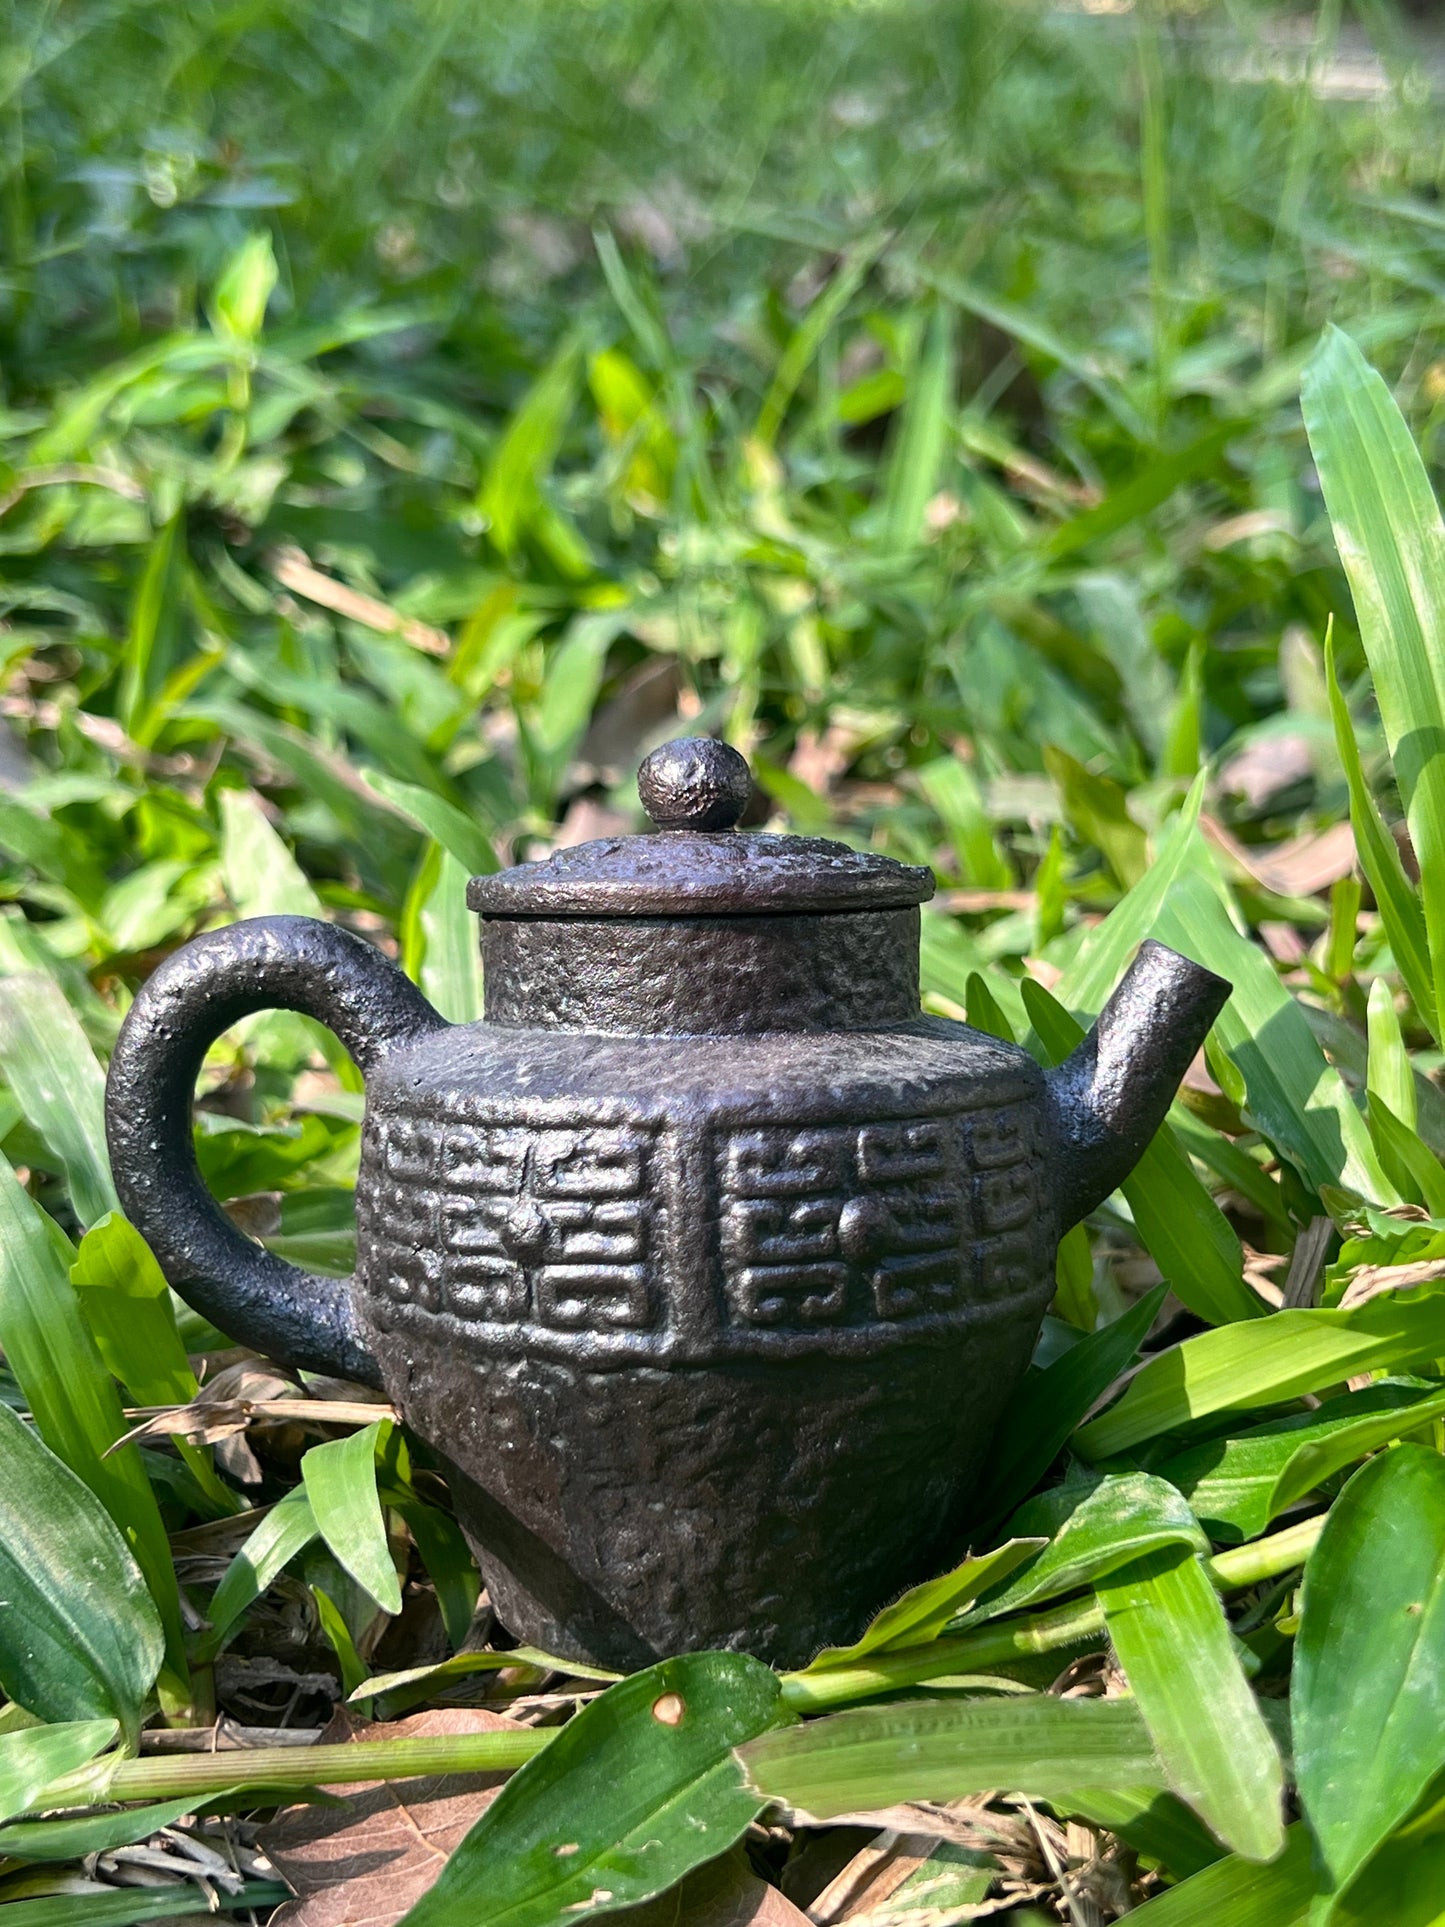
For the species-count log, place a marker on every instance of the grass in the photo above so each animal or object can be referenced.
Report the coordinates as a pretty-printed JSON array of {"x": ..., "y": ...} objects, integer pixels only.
[{"x": 409, "y": 417}]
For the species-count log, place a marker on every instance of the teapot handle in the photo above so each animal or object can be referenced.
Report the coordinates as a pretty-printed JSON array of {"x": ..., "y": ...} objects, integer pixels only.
[{"x": 266, "y": 963}]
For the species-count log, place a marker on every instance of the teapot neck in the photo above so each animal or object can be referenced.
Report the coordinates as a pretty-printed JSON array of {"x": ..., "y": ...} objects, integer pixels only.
[{"x": 690, "y": 976}]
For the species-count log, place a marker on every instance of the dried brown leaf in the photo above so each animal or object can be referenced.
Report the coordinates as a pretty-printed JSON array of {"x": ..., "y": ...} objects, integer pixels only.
[
  {"x": 365, "y": 1864},
  {"x": 1298, "y": 868},
  {"x": 725, "y": 1893}
]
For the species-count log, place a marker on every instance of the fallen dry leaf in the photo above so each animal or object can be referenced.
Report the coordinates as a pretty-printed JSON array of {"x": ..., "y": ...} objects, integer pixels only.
[
  {"x": 365, "y": 1864},
  {"x": 294, "y": 571},
  {"x": 1266, "y": 766},
  {"x": 1299, "y": 868},
  {"x": 725, "y": 1893},
  {"x": 1370, "y": 1280}
]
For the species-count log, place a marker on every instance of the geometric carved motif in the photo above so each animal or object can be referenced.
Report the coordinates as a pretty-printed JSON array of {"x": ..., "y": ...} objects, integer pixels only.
[
  {"x": 1005, "y": 1156},
  {"x": 843, "y": 1224},
  {"x": 507, "y": 1224}
]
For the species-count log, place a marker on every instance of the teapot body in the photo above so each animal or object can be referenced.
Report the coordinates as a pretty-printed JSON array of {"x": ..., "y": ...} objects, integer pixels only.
[{"x": 714, "y": 1328}]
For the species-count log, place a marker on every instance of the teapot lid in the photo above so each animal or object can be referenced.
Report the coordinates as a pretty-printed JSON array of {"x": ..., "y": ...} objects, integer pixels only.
[{"x": 700, "y": 865}]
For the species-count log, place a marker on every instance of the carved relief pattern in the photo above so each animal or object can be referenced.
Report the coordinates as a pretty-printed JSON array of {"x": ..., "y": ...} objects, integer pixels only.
[
  {"x": 504, "y": 1224},
  {"x": 817, "y": 1225},
  {"x": 843, "y": 1224}
]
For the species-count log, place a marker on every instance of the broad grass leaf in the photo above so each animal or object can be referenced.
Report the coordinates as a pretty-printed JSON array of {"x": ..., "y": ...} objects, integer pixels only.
[
  {"x": 262, "y": 877},
  {"x": 952, "y": 788},
  {"x": 47, "y": 1061},
  {"x": 109, "y": 1907},
  {"x": 808, "y": 337},
  {"x": 87, "y": 1833},
  {"x": 1266, "y": 1363},
  {"x": 1296, "y": 1098},
  {"x": 1152, "y": 484},
  {"x": 1379, "y": 855},
  {"x": 1391, "y": 540},
  {"x": 1240, "y": 1893},
  {"x": 1237, "y": 1485},
  {"x": 1403, "y": 1884},
  {"x": 1051, "y": 1403},
  {"x": 287, "y": 1529},
  {"x": 127, "y": 1305},
  {"x": 158, "y": 596},
  {"x": 246, "y": 283},
  {"x": 575, "y": 668},
  {"x": 370, "y": 832},
  {"x": 1412, "y": 1166},
  {"x": 451, "y": 966},
  {"x": 1179, "y": 1224},
  {"x": 1092, "y": 1528},
  {"x": 921, "y": 443},
  {"x": 1389, "y": 1074},
  {"x": 511, "y": 493},
  {"x": 464, "y": 840},
  {"x": 637, "y": 1790},
  {"x": 1171, "y": 1637},
  {"x": 80, "y": 1637},
  {"x": 51, "y": 849},
  {"x": 340, "y": 1482},
  {"x": 923, "y": 1612},
  {"x": 73, "y": 1397},
  {"x": 1098, "y": 809},
  {"x": 36, "y": 1755},
  {"x": 883, "y": 1756},
  {"x": 1367, "y": 1692},
  {"x": 1086, "y": 984},
  {"x": 448, "y": 1560}
]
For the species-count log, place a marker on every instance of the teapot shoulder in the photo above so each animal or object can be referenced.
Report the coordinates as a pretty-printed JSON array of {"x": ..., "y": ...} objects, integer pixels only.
[{"x": 931, "y": 1061}]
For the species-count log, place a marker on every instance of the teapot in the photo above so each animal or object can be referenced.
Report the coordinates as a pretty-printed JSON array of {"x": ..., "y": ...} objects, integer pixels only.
[{"x": 705, "y": 1260}]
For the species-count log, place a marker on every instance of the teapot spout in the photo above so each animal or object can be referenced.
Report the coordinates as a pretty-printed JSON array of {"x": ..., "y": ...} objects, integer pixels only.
[{"x": 1110, "y": 1097}]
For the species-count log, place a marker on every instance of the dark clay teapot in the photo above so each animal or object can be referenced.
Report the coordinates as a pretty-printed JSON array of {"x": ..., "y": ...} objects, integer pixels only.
[{"x": 707, "y": 1262}]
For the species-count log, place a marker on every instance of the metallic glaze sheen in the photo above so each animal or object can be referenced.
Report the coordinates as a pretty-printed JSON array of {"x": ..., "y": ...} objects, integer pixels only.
[{"x": 706, "y": 1260}]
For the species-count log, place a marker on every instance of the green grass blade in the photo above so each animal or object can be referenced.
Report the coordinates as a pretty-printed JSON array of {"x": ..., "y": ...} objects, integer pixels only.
[
  {"x": 917, "y": 456},
  {"x": 33, "y": 1757},
  {"x": 1296, "y": 1097},
  {"x": 1392, "y": 542},
  {"x": 464, "y": 841},
  {"x": 48, "y": 1063},
  {"x": 882, "y": 1756},
  {"x": 1093, "y": 1527},
  {"x": 126, "y": 1908},
  {"x": 1049, "y": 1404},
  {"x": 923, "y": 1611},
  {"x": 451, "y": 970},
  {"x": 90, "y": 1833},
  {"x": 80, "y": 1638},
  {"x": 287, "y": 1529},
  {"x": 1368, "y": 1687},
  {"x": 1389, "y": 1076},
  {"x": 1238, "y": 1485},
  {"x": 127, "y": 1305},
  {"x": 74, "y": 1399},
  {"x": 1267, "y": 1363},
  {"x": 1172, "y": 1639},
  {"x": 340, "y": 1481},
  {"x": 1379, "y": 855},
  {"x": 1179, "y": 1224},
  {"x": 1240, "y": 1893}
]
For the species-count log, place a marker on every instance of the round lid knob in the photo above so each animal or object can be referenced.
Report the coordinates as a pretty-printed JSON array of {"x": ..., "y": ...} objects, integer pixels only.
[{"x": 695, "y": 783}]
